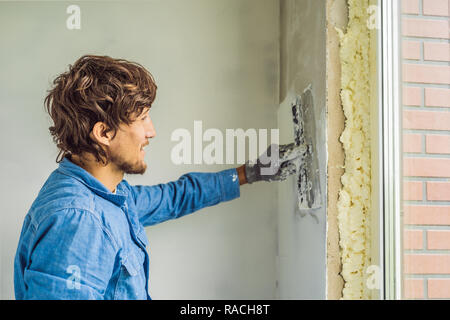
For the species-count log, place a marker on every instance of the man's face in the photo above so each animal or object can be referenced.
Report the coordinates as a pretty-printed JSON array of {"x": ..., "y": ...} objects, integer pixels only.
[{"x": 127, "y": 148}]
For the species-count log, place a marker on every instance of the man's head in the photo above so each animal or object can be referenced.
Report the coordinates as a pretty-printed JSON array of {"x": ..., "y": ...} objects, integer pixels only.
[{"x": 99, "y": 108}]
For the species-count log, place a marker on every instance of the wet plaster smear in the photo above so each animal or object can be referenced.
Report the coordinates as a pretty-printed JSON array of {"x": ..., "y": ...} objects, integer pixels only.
[
  {"x": 327, "y": 45},
  {"x": 301, "y": 247}
]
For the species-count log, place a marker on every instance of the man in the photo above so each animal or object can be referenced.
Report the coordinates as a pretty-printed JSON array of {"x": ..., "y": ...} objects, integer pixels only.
[{"x": 83, "y": 237}]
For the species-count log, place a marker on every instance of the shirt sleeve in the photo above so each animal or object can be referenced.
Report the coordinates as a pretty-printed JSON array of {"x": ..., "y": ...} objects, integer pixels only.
[
  {"x": 71, "y": 258},
  {"x": 191, "y": 192}
]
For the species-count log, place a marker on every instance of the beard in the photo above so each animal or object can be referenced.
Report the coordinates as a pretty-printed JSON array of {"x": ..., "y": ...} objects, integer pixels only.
[{"x": 137, "y": 167}]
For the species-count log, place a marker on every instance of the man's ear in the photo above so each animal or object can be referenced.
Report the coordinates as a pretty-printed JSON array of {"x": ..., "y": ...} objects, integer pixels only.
[{"x": 101, "y": 134}]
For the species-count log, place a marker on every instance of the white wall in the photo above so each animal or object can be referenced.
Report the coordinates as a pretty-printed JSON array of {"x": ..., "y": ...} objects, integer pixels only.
[{"x": 215, "y": 61}]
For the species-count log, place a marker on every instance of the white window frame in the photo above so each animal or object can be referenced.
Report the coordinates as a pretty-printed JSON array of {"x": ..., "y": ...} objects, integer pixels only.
[{"x": 390, "y": 124}]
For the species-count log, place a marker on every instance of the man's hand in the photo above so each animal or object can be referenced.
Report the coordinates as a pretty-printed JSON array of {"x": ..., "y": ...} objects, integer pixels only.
[{"x": 276, "y": 164}]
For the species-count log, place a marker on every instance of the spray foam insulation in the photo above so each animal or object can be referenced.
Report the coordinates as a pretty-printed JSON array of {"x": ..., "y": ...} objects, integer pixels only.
[{"x": 354, "y": 207}]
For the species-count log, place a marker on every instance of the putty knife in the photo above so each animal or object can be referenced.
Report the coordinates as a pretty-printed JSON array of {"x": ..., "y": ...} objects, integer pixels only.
[{"x": 308, "y": 180}]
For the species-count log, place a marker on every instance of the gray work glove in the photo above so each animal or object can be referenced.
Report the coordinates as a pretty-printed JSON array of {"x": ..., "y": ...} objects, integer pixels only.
[{"x": 276, "y": 164}]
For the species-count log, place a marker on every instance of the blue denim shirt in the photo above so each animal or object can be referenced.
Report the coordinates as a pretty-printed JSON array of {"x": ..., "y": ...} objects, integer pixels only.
[{"x": 81, "y": 241}]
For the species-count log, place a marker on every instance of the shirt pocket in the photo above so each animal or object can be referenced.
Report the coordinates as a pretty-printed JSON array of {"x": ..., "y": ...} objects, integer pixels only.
[{"x": 131, "y": 281}]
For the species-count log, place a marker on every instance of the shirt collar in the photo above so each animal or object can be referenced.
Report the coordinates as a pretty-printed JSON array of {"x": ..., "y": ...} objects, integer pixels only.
[{"x": 69, "y": 168}]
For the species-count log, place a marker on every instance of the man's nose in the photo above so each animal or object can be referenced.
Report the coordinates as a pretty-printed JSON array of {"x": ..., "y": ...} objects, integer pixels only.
[{"x": 150, "y": 130}]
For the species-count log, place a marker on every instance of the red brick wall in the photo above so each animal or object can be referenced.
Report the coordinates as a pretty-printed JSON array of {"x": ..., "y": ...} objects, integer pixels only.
[{"x": 426, "y": 147}]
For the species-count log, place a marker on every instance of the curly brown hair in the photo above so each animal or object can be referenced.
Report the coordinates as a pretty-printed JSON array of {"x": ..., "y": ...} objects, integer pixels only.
[{"x": 96, "y": 89}]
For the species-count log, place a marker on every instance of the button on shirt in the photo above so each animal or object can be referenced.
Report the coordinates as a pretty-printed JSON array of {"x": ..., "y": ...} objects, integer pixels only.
[{"x": 81, "y": 241}]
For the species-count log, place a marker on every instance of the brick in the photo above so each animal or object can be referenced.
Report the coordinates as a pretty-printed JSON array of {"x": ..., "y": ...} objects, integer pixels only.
[
  {"x": 426, "y": 215},
  {"x": 410, "y": 7},
  {"x": 412, "y": 190},
  {"x": 426, "y": 167},
  {"x": 413, "y": 289},
  {"x": 438, "y": 191},
  {"x": 435, "y": 97},
  {"x": 426, "y": 120},
  {"x": 426, "y": 263},
  {"x": 412, "y": 143},
  {"x": 438, "y": 239},
  {"x": 412, "y": 96},
  {"x": 412, "y": 239},
  {"x": 412, "y": 27},
  {"x": 411, "y": 49},
  {"x": 436, "y": 51},
  {"x": 437, "y": 143},
  {"x": 438, "y": 288},
  {"x": 420, "y": 73},
  {"x": 435, "y": 7}
]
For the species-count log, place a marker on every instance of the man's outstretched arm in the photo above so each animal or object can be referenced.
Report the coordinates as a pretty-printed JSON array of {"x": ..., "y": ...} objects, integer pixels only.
[
  {"x": 194, "y": 191},
  {"x": 191, "y": 192}
]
